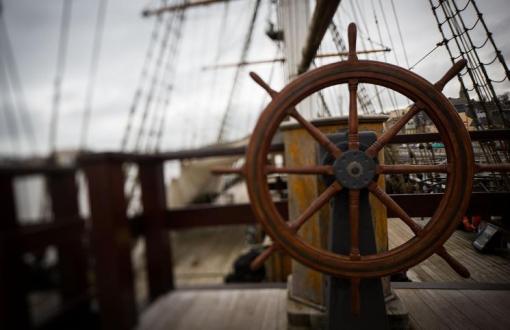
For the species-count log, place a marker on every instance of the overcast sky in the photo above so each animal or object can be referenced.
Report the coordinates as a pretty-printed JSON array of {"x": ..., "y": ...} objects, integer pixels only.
[{"x": 196, "y": 107}]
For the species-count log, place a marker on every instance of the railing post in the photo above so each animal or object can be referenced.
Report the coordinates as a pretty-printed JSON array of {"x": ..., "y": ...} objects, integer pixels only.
[
  {"x": 72, "y": 260},
  {"x": 157, "y": 241},
  {"x": 14, "y": 308},
  {"x": 111, "y": 243}
]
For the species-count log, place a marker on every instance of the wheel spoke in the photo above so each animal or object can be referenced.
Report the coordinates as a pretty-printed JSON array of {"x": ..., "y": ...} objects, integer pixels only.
[
  {"x": 354, "y": 222},
  {"x": 353, "y": 137},
  {"x": 406, "y": 168},
  {"x": 294, "y": 226},
  {"x": 392, "y": 205},
  {"x": 391, "y": 132},
  {"x": 316, "y": 205},
  {"x": 351, "y": 37},
  {"x": 501, "y": 167},
  {"x": 415, "y": 228},
  {"x": 450, "y": 74},
  {"x": 315, "y": 169},
  {"x": 321, "y": 138},
  {"x": 261, "y": 258},
  {"x": 452, "y": 262},
  {"x": 263, "y": 84}
]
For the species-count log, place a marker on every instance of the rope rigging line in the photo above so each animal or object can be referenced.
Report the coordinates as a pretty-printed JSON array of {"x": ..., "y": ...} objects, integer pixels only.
[
  {"x": 339, "y": 43},
  {"x": 482, "y": 74},
  {"x": 154, "y": 82},
  {"x": 391, "y": 94},
  {"x": 212, "y": 90},
  {"x": 482, "y": 83},
  {"x": 60, "y": 70},
  {"x": 6, "y": 103},
  {"x": 365, "y": 100},
  {"x": 462, "y": 47},
  {"x": 388, "y": 32},
  {"x": 143, "y": 76},
  {"x": 397, "y": 21},
  {"x": 170, "y": 81},
  {"x": 493, "y": 43},
  {"x": 96, "y": 51},
  {"x": 464, "y": 44},
  {"x": 426, "y": 55},
  {"x": 12, "y": 76},
  {"x": 244, "y": 54}
]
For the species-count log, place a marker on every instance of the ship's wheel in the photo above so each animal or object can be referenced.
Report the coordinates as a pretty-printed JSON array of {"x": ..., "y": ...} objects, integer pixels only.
[{"x": 355, "y": 169}]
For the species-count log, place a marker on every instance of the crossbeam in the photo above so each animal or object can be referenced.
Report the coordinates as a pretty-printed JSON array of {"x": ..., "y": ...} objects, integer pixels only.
[
  {"x": 172, "y": 8},
  {"x": 282, "y": 59}
]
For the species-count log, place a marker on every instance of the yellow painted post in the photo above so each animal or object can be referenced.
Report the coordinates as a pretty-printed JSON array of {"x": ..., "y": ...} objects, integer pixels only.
[{"x": 307, "y": 286}]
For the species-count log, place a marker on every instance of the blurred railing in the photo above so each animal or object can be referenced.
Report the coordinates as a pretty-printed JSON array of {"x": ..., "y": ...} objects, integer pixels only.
[{"x": 111, "y": 232}]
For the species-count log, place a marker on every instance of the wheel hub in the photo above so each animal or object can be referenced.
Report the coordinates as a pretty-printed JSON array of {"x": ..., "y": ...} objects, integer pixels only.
[{"x": 354, "y": 169}]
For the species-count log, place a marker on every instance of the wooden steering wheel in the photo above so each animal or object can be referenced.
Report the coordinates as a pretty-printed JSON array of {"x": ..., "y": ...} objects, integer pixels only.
[{"x": 356, "y": 169}]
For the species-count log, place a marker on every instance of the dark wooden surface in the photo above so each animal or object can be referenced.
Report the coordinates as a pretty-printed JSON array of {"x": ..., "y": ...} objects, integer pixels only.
[
  {"x": 221, "y": 308},
  {"x": 111, "y": 245},
  {"x": 14, "y": 312},
  {"x": 215, "y": 215},
  {"x": 157, "y": 241},
  {"x": 72, "y": 258}
]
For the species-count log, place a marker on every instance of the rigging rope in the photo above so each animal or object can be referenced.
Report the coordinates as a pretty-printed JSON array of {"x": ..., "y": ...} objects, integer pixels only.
[
  {"x": 217, "y": 56},
  {"x": 60, "y": 70},
  {"x": 12, "y": 76},
  {"x": 341, "y": 47},
  {"x": 155, "y": 81},
  {"x": 391, "y": 94},
  {"x": 11, "y": 122},
  {"x": 143, "y": 76},
  {"x": 96, "y": 50},
  {"x": 170, "y": 74},
  {"x": 244, "y": 53},
  {"x": 397, "y": 21},
  {"x": 366, "y": 99}
]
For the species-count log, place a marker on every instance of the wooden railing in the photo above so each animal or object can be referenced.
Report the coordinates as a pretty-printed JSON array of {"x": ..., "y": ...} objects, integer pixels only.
[
  {"x": 65, "y": 232},
  {"x": 112, "y": 233}
]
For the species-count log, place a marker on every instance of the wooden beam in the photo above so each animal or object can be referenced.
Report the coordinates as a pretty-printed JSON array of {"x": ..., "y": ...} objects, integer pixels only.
[
  {"x": 282, "y": 59},
  {"x": 215, "y": 215},
  {"x": 111, "y": 245},
  {"x": 14, "y": 309},
  {"x": 322, "y": 16},
  {"x": 183, "y": 6},
  {"x": 424, "y": 205},
  {"x": 72, "y": 258},
  {"x": 157, "y": 240}
]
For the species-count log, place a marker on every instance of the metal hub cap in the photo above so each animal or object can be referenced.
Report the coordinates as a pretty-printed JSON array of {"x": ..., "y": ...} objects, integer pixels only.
[{"x": 354, "y": 169}]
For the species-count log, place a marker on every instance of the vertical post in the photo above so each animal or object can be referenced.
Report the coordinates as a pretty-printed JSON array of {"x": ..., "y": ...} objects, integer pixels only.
[
  {"x": 111, "y": 243},
  {"x": 157, "y": 240},
  {"x": 14, "y": 309},
  {"x": 72, "y": 260}
]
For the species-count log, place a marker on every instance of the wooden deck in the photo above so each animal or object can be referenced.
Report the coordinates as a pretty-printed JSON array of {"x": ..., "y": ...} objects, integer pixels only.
[
  {"x": 266, "y": 309},
  {"x": 484, "y": 268},
  {"x": 438, "y": 298},
  {"x": 222, "y": 309},
  {"x": 205, "y": 256}
]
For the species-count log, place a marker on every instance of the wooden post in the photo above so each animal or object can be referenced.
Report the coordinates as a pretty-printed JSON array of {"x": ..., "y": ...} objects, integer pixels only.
[
  {"x": 157, "y": 241},
  {"x": 72, "y": 260},
  {"x": 14, "y": 309},
  {"x": 111, "y": 244}
]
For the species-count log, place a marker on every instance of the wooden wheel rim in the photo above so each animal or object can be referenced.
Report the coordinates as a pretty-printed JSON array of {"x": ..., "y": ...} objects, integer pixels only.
[{"x": 449, "y": 212}]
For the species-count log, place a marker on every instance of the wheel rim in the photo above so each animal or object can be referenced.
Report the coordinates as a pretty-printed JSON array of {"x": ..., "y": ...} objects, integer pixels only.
[{"x": 451, "y": 208}]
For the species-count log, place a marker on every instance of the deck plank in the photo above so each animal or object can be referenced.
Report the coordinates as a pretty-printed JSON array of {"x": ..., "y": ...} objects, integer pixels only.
[
  {"x": 457, "y": 309},
  {"x": 218, "y": 309},
  {"x": 484, "y": 268}
]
